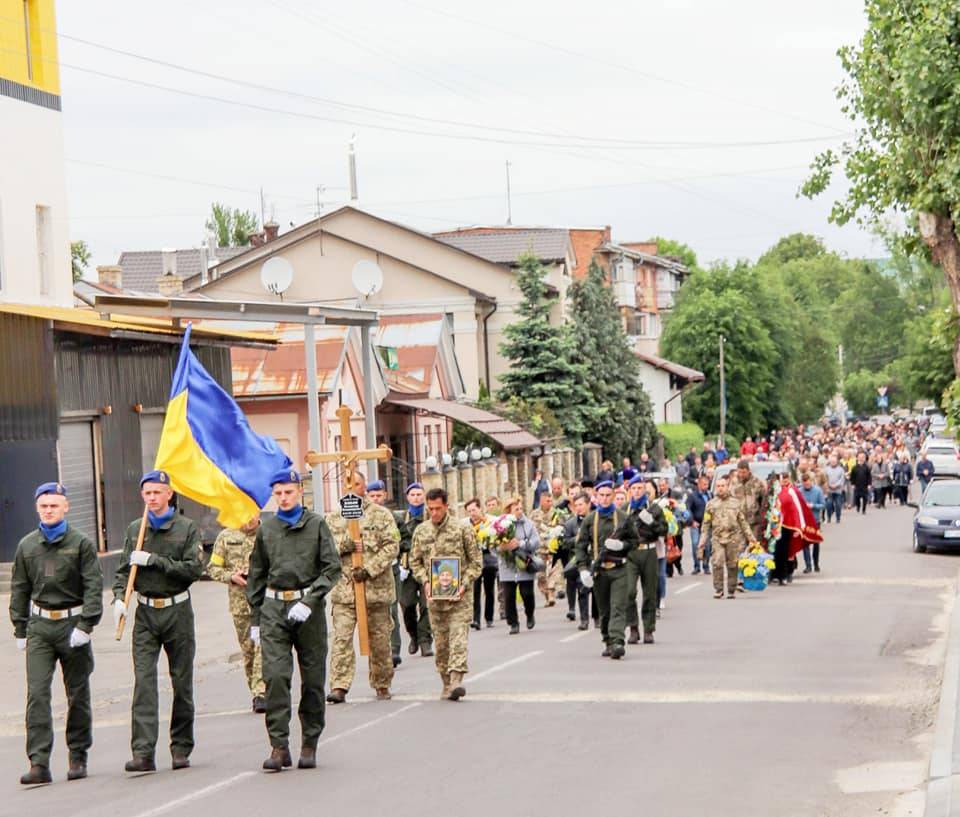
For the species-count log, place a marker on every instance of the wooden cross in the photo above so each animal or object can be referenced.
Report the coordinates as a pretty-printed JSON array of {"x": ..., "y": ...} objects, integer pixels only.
[{"x": 348, "y": 459}]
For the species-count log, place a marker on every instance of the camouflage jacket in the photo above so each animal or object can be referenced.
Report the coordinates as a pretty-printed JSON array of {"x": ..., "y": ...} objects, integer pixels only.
[
  {"x": 231, "y": 554},
  {"x": 381, "y": 542},
  {"x": 752, "y": 493},
  {"x": 448, "y": 539},
  {"x": 407, "y": 525},
  {"x": 725, "y": 520}
]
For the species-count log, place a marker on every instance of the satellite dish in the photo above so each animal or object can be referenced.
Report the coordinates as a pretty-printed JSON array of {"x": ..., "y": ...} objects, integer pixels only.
[
  {"x": 367, "y": 278},
  {"x": 276, "y": 275}
]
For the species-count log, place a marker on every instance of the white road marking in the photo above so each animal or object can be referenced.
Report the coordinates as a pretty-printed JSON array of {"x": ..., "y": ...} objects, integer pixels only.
[
  {"x": 368, "y": 724},
  {"x": 519, "y": 659},
  {"x": 688, "y": 587},
  {"x": 574, "y": 637},
  {"x": 196, "y": 795},
  {"x": 873, "y": 580}
]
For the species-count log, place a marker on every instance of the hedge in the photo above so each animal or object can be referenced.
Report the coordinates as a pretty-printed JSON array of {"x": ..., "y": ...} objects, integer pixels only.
[{"x": 679, "y": 437}]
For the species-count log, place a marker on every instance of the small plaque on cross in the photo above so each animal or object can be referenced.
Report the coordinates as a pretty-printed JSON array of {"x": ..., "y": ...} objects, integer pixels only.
[{"x": 351, "y": 506}]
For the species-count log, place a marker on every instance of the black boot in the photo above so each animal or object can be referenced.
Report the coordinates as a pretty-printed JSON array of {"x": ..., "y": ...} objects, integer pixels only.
[
  {"x": 36, "y": 776},
  {"x": 634, "y": 635}
]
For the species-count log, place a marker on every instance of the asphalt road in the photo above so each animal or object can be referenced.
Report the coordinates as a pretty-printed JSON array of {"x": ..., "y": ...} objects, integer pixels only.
[{"x": 815, "y": 699}]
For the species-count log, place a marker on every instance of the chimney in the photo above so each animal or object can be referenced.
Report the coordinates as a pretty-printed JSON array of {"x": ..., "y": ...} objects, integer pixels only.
[
  {"x": 204, "y": 264},
  {"x": 606, "y": 234},
  {"x": 168, "y": 262},
  {"x": 270, "y": 231},
  {"x": 111, "y": 276},
  {"x": 257, "y": 240},
  {"x": 170, "y": 286}
]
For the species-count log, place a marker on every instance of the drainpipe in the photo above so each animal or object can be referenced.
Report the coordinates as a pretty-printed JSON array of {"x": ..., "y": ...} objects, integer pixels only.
[
  {"x": 486, "y": 345},
  {"x": 680, "y": 393}
]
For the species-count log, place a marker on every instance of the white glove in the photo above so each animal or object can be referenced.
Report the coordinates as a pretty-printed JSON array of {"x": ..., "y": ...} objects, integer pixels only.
[
  {"x": 586, "y": 579},
  {"x": 646, "y": 517},
  {"x": 404, "y": 573},
  {"x": 299, "y": 612},
  {"x": 21, "y": 644},
  {"x": 78, "y": 638},
  {"x": 255, "y": 636},
  {"x": 613, "y": 544},
  {"x": 119, "y": 611},
  {"x": 141, "y": 558}
]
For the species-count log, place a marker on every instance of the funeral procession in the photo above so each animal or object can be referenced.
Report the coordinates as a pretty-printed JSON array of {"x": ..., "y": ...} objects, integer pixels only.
[{"x": 419, "y": 409}]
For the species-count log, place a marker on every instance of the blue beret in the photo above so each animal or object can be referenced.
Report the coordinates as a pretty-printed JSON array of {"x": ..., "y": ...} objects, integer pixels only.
[
  {"x": 155, "y": 476},
  {"x": 605, "y": 484},
  {"x": 629, "y": 473},
  {"x": 50, "y": 488},
  {"x": 413, "y": 485},
  {"x": 637, "y": 480},
  {"x": 286, "y": 475},
  {"x": 376, "y": 485}
]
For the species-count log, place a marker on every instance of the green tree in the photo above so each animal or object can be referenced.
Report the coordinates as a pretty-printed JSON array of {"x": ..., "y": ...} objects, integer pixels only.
[
  {"x": 870, "y": 314},
  {"x": 901, "y": 92},
  {"x": 231, "y": 225},
  {"x": 860, "y": 390},
  {"x": 676, "y": 249},
  {"x": 79, "y": 259},
  {"x": 926, "y": 367},
  {"x": 793, "y": 247},
  {"x": 617, "y": 413},
  {"x": 544, "y": 367}
]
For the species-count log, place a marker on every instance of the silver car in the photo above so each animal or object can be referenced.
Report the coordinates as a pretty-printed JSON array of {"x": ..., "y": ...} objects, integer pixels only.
[{"x": 944, "y": 455}]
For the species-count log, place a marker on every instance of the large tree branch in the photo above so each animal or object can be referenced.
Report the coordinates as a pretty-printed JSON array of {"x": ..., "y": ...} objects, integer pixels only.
[{"x": 940, "y": 235}]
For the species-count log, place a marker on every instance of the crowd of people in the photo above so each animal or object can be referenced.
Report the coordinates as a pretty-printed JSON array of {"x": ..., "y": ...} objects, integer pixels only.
[{"x": 605, "y": 546}]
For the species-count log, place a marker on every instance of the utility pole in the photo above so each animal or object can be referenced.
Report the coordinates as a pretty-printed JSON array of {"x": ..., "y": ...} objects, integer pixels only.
[
  {"x": 353, "y": 170},
  {"x": 263, "y": 209},
  {"x": 509, "y": 207},
  {"x": 723, "y": 394}
]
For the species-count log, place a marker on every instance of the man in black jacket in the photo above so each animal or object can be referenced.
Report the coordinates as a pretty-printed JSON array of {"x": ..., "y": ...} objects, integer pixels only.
[
  {"x": 576, "y": 592},
  {"x": 861, "y": 480},
  {"x": 697, "y": 503}
]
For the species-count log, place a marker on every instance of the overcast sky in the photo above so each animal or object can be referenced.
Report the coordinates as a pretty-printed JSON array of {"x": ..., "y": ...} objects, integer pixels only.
[{"x": 632, "y": 114}]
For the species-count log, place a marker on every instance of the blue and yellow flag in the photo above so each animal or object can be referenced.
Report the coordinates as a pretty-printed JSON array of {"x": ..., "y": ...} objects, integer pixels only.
[{"x": 208, "y": 448}]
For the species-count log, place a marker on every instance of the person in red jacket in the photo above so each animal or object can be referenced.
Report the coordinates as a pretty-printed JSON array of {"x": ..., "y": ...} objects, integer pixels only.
[{"x": 748, "y": 448}]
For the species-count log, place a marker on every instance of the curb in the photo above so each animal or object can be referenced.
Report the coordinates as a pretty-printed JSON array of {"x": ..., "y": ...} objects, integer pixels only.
[{"x": 943, "y": 781}]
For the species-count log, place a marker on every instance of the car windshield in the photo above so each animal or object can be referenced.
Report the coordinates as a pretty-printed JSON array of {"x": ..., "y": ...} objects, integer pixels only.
[
  {"x": 940, "y": 452},
  {"x": 942, "y": 494}
]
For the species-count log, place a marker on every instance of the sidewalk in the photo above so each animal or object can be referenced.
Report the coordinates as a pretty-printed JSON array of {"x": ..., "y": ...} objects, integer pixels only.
[
  {"x": 943, "y": 785},
  {"x": 218, "y": 655}
]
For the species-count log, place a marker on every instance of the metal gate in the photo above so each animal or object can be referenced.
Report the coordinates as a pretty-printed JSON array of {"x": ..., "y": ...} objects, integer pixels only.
[{"x": 78, "y": 471}]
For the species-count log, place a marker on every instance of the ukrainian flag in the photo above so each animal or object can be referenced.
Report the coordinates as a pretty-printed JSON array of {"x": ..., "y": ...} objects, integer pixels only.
[{"x": 209, "y": 450}]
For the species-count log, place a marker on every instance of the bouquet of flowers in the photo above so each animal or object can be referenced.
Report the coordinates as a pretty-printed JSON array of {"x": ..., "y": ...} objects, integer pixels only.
[
  {"x": 773, "y": 529},
  {"x": 500, "y": 530},
  {"x": 755, "y": 565},
  {"x": 558, "y": 516},
  {"x": 554, "y": 538}
]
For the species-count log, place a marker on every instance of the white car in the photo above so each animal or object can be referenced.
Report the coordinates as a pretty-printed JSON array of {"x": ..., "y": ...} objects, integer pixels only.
[{"x": 944, "y": 455}]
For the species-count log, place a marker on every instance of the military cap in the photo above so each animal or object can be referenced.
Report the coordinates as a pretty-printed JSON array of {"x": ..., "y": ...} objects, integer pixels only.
[
  {"x": 285, "y": 475},
  {"x": 605, "y": 484},
  {"x": 411, "y": 486},
  {"x": 445, "y": 569},
  {"x": 629, "y": 473},
  {"x": 635, "y": 480},
  {"x": 155, "y": 476},
  {"x": 50, "y": 488},
  {"x": 376, "y": 485},
  {"x": 586, "y": 483},
  {"x": 743, "y": 464}
]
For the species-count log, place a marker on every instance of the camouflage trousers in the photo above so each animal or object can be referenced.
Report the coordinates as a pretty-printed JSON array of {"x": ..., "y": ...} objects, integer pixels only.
[
  {"x": 725, "y": 555},
  {"x": 252, "y": 660},
  {"x": 451, "y": 623},
  {"x": 549, "y": 579},
  {"x": 343, "y": 660}
]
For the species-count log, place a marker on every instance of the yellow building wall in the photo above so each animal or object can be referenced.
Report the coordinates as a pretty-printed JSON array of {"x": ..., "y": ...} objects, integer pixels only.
[{"x": 43, "y": 61}]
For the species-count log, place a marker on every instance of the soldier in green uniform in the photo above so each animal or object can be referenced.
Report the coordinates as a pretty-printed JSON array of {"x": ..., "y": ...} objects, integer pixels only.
[
  {"x": 230, "y": 564},
  {"x": 606, "y": 537},
  {"x": 413, "y": 602},
  {"x": 725, "y": 525},
  {"x": 377, "y": 491},
  {"x": 752, "y": 493},
  {"x": 166, "y": 567},
  {"x": 642, "y": 561},
  {"x": 55, "y": 602},
  {"x": 293, "y": 567},
  {"x": 442, "y": 536},
  {"x": 378, "y": 548}
]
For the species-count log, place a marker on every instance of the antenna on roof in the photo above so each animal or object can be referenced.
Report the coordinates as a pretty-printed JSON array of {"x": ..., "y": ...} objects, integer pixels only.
[
  {"x": 509, "y": 207},
  {"x": 367, "y": 278},
  {"x": 276, "y": 275},
  {"x": 352, "y": 157}
]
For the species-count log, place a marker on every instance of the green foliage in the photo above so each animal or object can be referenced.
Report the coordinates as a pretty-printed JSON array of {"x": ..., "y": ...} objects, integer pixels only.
[
  {"x": 926, "y": 366},
  {"x": 678, "y": 437},
  {"x": 669, "y": 247},
  {"x": 792, "y": 248},
  {"x": 545, "y": 370},
  {"x": 231, "y": 225},
  {"x": 951, "y": 403},
  {"x": 860, "y": 390},
  {"x": 79, "y": 259},
  {"x": 533, "y": 415},
  {"x": 617, "y": 411}
]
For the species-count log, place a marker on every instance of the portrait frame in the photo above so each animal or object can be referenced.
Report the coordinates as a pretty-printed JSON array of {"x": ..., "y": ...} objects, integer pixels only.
[{"x": 441, "y": 588}]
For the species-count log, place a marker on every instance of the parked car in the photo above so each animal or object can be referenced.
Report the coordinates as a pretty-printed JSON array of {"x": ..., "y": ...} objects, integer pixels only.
[
  {"x": 762, "y": 469},
  {"x": 936, "y": 523},
  {"x": 938, "y": 423},
  {"x": 944, "y": 455}
]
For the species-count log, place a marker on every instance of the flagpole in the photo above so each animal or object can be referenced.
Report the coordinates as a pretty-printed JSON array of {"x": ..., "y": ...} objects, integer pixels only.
[{"x": 133, "y": 576}]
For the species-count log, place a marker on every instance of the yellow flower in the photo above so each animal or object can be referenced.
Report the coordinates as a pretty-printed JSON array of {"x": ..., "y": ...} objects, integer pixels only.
[
  {"x": 749, "y": 571},
  {"x": 770, "y": 564}
]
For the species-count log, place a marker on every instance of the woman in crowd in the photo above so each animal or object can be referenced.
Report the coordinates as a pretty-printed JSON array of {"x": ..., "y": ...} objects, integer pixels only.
[{"x": 514, "y": 577}]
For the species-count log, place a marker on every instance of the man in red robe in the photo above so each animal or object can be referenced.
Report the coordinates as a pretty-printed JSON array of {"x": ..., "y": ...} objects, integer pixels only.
[{"x": 798, "y": 528}]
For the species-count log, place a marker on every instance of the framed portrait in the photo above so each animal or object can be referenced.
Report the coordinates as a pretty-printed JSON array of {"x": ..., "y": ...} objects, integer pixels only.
[{"x": 445, "y": 578}]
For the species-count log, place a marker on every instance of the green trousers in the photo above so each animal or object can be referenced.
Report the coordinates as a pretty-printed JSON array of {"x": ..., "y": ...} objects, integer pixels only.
[
  {"x": 49, "y": 642},
  {"x": 643, "y": 569},
  {"x": 395, "y": 614},
  {"x": 278, "y": 638},
  {"x": 170, "y": 629},
  {"x": 416, "y": 618},
  {"x": 610, "y": 591}
]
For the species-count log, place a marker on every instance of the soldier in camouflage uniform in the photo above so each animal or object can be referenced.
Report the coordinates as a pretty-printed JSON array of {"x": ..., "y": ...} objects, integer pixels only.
[
  {"x": 380, "y": 541},
  {"x": 377, "y": 491},
  {"x": 413, "y": 602},
  {"x": 725, "y": 525},
  {"x": 752, "y": 493},
  {"x": 230, "y": 563},
  {"x": 541, "y": 519},
  {"x": 439, "y": 537}
]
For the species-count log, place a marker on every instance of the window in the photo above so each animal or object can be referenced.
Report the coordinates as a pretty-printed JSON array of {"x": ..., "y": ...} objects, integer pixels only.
[
  {"x": 637, "y": 324},
  {"x": 44, "y": 253},
  {"x": 26, "y": 33}
]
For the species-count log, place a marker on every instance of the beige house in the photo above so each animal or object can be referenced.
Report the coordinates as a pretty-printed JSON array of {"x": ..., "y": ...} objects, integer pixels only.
[{"x": 477, "y": 297}]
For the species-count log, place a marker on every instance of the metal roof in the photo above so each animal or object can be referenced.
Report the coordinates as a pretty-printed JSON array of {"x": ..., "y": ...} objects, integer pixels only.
[
  {"x": 684, "y": 372},
  {"x": 505, "y": 433},
  {"x": 141, "y": 269},
  {"x": 506, "y": 246}
]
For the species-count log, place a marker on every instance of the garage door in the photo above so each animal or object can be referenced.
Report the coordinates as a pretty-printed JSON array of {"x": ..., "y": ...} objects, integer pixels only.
[{"x": 78, "y": 473}]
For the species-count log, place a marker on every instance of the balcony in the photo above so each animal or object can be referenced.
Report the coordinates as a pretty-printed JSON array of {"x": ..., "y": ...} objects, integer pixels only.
[{"x": 625, "y": 293}]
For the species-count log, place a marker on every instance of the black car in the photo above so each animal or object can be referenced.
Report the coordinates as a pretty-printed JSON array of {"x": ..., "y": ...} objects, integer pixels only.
[{"x": 936, "y": 523}]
